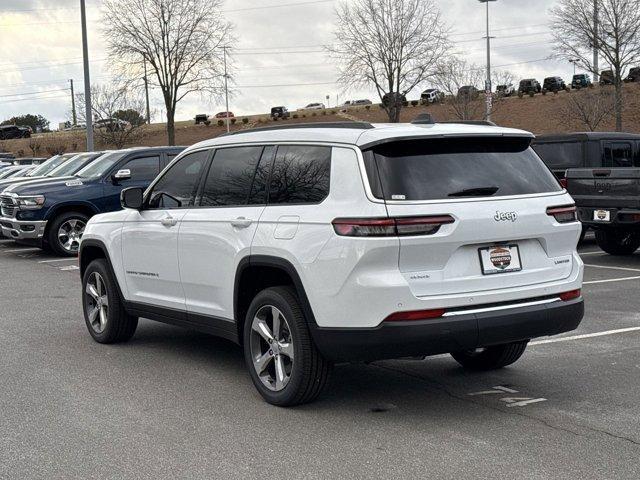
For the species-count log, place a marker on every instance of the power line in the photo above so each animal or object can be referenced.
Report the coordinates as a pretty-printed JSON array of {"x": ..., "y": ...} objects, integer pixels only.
[
  {"x": 35, "y": 98},
  {"x": 277, "y": 6},
  {"x": 286, "y": 85},
  {"x": 34, "y": 93}
]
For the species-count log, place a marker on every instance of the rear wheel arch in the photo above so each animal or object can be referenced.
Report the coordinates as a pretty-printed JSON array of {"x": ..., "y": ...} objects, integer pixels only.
[{"x": 257, "y": 272}]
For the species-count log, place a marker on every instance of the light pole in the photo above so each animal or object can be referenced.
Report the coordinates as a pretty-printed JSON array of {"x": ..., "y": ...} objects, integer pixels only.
[
  {"x": 87, "y": 79},
  {"x": 226, "y": 87},
  {"x": 488, "y": 81}
]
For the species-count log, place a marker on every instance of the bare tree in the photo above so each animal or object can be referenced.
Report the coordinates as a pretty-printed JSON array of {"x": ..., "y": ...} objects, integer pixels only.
[
  {"x": 106, "y": 102},
  {"x": 393, "y": 45},
  {"x": 589, "y": 107},
  {"x": 182, "y": 42},
  {"x": 450, "y": 77},
  {"x": 615, "y": 35}
]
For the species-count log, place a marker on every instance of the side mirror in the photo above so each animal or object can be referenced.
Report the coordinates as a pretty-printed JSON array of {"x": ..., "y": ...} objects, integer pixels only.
[
  {"x": 132, "y": 198},
  {"x": 124, "y": 174}
]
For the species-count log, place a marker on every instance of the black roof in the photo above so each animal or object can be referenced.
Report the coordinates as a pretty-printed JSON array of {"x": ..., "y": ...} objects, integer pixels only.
[{"x": 585, "y": 136}]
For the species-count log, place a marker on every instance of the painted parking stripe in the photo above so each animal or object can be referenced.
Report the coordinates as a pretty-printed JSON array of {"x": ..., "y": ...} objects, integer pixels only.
[
  {"x": 626, "y": 269},
  {"x": 610, "y": 280},
  {"x": 16, "y": 250},
  {"x": 586, "y": 335},
  {"x": 598, "y": 252},
  {"x": 53, "y": 260}
]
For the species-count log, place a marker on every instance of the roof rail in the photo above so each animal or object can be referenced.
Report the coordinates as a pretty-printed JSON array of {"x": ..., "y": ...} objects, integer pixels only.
[
  {"x": 293, "y": 126},
  {"x": 486, "y": 123}
]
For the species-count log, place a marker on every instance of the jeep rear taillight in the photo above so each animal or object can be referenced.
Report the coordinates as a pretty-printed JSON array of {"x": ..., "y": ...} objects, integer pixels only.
[
  {"x": 563, "y": 214},
  {"x": 390, "y": 227},
  {"x": 415, "y": 315},
  {"x": 570, "y": 295}
]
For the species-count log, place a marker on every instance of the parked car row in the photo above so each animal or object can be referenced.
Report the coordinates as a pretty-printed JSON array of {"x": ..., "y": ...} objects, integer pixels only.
[{"x": 51, "y": 204}]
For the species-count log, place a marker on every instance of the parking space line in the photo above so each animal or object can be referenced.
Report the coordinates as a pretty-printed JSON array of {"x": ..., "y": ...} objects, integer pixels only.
[
  {"x": 16, "y": 250},
  {"x": 586, "y": 335},
  {"x": 626, "y": 269},
  {"x": 609, "y": 280},
  {"x": 59, "y": 260},
  {"x": 597, "y": 252}
]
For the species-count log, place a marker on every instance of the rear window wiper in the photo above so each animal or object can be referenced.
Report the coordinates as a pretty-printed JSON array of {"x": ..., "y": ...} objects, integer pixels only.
[{"x": 475, "y": 192}]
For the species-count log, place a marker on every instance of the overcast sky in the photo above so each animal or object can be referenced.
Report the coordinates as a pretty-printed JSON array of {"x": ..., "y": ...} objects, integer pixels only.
[{"x": 40, "y": 49}]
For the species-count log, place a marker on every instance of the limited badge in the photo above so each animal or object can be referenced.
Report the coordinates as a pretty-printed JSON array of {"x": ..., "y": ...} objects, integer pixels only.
[{"x": 500, "y": 257}]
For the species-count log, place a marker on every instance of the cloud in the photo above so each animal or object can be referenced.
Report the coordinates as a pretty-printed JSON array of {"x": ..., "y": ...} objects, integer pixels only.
[{"x": 265, "y": 54}]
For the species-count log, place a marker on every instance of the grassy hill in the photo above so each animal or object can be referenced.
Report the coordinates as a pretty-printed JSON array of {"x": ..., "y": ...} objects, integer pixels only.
[{"x": 539, "y": 114}]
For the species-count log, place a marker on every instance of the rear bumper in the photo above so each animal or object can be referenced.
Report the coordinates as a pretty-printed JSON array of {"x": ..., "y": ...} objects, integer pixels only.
[
  {"x": 619, "y": 217},
  {"x": 22, "y": 229},
  {"x": 464, "y": 331}
]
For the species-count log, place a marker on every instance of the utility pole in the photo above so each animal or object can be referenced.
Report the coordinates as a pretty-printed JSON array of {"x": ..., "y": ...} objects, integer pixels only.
[
  {"x": 226, "y": 87},
  {"x": 596, "y": 22},
  {"x": 73, "y": 104},
  {"x": 87, "y": 78},
  {"x": 488, "y": 89},
  {"x": 146, "y": 90}
]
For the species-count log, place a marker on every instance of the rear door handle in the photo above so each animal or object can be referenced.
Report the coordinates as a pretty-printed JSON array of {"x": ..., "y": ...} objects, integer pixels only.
[
  {"x": 241, "y": 222},
  {"x": 169, "y": 222}
]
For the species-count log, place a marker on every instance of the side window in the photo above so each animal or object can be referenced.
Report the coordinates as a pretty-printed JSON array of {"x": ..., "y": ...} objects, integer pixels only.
[
  {"x": 231, "y": 177},
  {"x": 618, "y": 155},
  {"x": 300, "y": 175},
  {"x": 143, "y": 169},
  {"x": 177, "y": 187}
]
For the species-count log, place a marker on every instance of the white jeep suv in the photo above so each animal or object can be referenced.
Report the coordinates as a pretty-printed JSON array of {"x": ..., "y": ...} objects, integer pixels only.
[{"x": 311, "y": 245}]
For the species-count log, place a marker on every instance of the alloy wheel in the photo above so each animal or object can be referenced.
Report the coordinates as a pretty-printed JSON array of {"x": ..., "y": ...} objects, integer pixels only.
[
  {"x": 271, "y": 346},
  {"x": 70, "y": 233},
  {"x": 97, "y": 302}
]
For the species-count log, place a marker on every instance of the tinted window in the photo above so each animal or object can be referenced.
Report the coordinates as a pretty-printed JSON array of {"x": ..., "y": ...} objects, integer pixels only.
[
  {"x": 177, "y": 186},
  {"x": 300, "y": 174},
  {"x": 618, "y": 155},
  {"x": 143, "y": 169},
  {"x": 455, "y": 168},
  {"x": 231, "y": 176},
  {"x": 101, "y": 166},
  {"x": 561, "y": 155}
]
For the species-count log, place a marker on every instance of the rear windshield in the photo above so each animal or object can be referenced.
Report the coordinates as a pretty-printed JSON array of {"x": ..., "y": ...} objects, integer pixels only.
[
  {"x": 561, "y": 155},
  {"x": 416, "y": 170}
]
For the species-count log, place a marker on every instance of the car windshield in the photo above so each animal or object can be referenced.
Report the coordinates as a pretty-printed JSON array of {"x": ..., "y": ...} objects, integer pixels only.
[
  {"x": 416, "y": 170},
  {"x": 46, "y": 167},
  {"x": 101, "y": 166},
  {"x": 72, "y": 166}
]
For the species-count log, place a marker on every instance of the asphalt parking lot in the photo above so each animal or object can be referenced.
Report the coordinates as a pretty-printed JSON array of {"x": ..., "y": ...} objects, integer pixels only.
[{"x": 178, "y": 404}]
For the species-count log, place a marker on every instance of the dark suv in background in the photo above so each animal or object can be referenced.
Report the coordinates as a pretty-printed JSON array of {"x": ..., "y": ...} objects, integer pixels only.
[
  {"x": 529, "y": 86},
  {"x": 634, "y": 75},
  {"x": 8, "y": 132},
  {"x": 581, "y": 80},
  {"x": 553, "y": 84},
  {"x": 606, "y": 77}
]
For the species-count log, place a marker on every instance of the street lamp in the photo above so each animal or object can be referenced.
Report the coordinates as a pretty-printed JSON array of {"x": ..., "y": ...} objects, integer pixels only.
[
  {"x": 488, "y": 81},
  {"x": 574, "y": 61}
]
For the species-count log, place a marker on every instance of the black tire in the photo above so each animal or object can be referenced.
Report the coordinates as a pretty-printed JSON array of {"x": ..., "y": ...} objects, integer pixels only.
[
  {"x": 309, "y": 372},
  {"x": 617, "y": 242},
  {"x": 54, "y": 241},
  {"x": 491, "y": 358},
  {"x": 119, "y": 325}
]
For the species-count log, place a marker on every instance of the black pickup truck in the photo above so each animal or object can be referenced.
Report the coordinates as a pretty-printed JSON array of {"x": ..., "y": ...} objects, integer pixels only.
[{"x": 608, "y": 201}]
